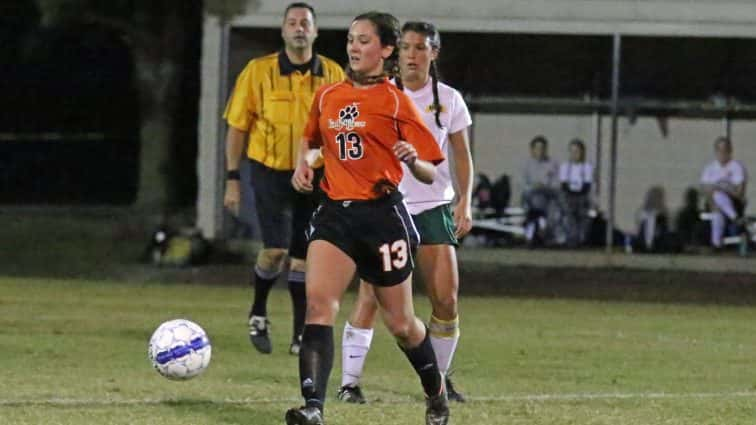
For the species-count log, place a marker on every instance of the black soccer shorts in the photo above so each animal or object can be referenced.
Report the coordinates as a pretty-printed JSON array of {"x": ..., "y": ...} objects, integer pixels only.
[
  {"x": 283, "y": 212},
  {"x": 378, "y": 235}
]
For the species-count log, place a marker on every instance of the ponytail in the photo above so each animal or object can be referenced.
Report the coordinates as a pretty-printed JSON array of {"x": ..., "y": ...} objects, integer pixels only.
[{"x": 436, "y": 100}]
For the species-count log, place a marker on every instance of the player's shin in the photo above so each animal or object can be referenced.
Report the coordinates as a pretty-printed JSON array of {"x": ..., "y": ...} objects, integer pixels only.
[
  {"x": 444, "y": 335},
  {"x": 315, "y": 363},
  {"x": 355, "y": 345},
  {"x": 298, "y": 303},
  {"x": 423, "y": 360}
]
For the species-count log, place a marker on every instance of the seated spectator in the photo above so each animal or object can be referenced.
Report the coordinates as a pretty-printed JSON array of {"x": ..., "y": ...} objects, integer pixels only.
[
  {"x": 688, "y": 219},
  {"x": 576, "y": 178},
  {"x": 653, "y": 222},
  {"x": 500, "y": 194},
  {"x": 540, "y": 190},
  {"x": 723, "y": 183},
  {"x": 481, "y": 198}
]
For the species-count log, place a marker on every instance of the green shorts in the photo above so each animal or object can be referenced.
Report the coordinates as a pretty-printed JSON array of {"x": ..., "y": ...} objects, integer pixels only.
[{"x": 436, "y": 226}]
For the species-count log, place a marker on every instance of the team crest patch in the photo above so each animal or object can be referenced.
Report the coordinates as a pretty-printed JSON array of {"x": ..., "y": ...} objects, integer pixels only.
[
  {"x": 432, "y": 108},
  {"x": 347, "y": 118}
]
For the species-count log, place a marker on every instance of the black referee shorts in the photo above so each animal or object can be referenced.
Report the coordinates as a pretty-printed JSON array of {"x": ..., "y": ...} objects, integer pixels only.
[
  {"x": 283, "y": 212},
  {"x": 378, "y": 235}
]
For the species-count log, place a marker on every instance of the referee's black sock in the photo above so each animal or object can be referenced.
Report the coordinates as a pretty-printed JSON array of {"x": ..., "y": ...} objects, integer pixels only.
[
  {"x": 298, "y": 301},
  {"x": 263, "y": 281},
  {"x": 315, "y": 363},
  {"x": 423, "y": 359}
]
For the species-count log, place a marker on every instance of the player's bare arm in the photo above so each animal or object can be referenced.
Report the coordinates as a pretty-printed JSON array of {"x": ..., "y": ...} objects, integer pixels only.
[
  {"x": 303, "y": 174},
  {"x": 424, "y": 171},
  {"x": 463, "y": 174},
  {"x": 235, "y": 141}
]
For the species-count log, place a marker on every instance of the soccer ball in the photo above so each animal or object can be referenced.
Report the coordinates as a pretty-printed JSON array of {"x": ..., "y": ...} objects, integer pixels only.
[{"x": 179, "y": 349}]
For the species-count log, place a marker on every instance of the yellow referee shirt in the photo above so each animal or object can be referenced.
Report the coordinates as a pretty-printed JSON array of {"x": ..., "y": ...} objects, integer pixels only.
[{"x": 271, "y": 101}]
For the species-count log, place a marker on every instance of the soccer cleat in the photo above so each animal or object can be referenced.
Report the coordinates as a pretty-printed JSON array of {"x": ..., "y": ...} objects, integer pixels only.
[
  {"x": 452, "y": 393},
  {"x": 304, "y": 416},
  {"x": 437, "y": 411},
  {"x": 349, "y": 394},
  {"x": 258, "y": 334}
]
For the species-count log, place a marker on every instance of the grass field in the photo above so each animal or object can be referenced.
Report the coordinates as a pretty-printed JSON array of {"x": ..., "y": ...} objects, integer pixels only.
[{"x": 74, "y": 352}]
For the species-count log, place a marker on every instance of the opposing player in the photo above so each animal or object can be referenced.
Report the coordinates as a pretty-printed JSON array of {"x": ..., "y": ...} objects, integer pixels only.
[
  {"x": 267, "y": 112},
  {"x": 366, "y": 127},
  {"x": 446, "y": 115}
]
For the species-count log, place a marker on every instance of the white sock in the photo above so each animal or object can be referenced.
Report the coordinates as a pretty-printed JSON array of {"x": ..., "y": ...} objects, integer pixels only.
[
  {"x": 355, "y": 345},
  {"x": 717, "y": 228},
  {"x": 530, "y": 229},
  {"x": 444, "y": 335},
  {"x": 724, "y": 203}
]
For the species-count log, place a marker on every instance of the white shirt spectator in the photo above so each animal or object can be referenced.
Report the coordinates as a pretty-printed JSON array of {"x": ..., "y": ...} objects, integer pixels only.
[
  {"x": 576, "y": 174},
  {"x": 540, "y": 173},
  {"x": 724, "y": 178},
  {"x": 733, "y": 173}
]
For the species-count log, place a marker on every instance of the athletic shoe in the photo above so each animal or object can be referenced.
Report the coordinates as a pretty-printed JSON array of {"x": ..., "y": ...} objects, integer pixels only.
[
  {"x": 258, "y": 334},
  {"x": 304, "y": 416},
  {"x": 452, "y": 393},
  {"x": 351, "y": 395},
  {"x": 437, "y": 411}
]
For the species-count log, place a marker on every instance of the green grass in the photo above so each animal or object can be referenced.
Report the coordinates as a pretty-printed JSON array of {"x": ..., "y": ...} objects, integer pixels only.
[
  {"x": 74, "y": 243},
  {"x": 74, "y": 352}
]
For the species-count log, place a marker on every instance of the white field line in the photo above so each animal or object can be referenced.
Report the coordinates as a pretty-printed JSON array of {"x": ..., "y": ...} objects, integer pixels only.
[{"x": 63, "y": 402}]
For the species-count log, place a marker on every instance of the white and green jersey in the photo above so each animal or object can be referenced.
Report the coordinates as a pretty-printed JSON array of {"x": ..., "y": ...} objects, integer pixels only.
[{"x": 454, "y": 118}]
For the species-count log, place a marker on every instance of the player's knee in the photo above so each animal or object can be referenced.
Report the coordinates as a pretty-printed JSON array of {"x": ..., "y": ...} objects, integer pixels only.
[
  {"x": 271, "y": 259},
  {"x": 400, "y": 328},
  {"x": 321, "y": 309},
  {"x": 363, "y": 315},
  {"x": 366, "y": 301},
  {"x": 297, "y": 265}
]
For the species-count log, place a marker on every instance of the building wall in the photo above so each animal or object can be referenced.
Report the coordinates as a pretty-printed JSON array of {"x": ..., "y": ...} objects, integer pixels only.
[
  {"x": 645, "y": 157},
  {"x": 684, "y": 17},
  {"x": 502, "y": 141}
]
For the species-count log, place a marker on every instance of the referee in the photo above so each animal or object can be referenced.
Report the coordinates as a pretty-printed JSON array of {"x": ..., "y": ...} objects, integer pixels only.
[{"x": 266, "y": 112}]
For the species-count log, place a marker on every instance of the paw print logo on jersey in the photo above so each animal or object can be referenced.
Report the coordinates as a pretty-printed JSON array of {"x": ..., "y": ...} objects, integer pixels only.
[{"x": 347, "y": 118}]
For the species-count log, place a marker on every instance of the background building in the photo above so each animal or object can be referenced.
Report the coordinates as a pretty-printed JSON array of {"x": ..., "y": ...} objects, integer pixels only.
[{"x": 544, "y": 67}]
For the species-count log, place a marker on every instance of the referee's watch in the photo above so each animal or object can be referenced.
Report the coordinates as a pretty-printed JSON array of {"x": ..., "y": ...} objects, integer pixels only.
[{"x": 233, "y": 175}]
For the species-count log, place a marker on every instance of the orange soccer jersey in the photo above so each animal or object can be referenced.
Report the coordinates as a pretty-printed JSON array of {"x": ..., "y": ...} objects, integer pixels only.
[{"x": 357, "y": 129}]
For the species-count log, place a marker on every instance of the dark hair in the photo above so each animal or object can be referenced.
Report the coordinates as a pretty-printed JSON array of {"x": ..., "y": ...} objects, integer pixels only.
[
  {"x": 434, "y": 39},
  {"x": 298, "y": 5},
  {"x": 539, "y": 139},
  {"x": 387, "y": 28},
  {"x": 579, "y": 143}
]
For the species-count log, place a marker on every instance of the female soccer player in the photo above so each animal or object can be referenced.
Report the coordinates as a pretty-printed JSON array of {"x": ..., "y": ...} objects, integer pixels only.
[
  {"x": 446, "y": 114},
  {"x": 366, "y": 127}
]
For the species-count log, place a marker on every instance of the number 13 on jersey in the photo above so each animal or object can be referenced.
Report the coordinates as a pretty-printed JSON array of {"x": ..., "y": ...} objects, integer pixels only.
[
  {"x": 350, "y": 145},
  {"x": 394, "y": 255}
]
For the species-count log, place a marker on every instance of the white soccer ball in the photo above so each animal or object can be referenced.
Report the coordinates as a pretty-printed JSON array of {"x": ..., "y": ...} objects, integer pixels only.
[{"x": 179, "y": 349}]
